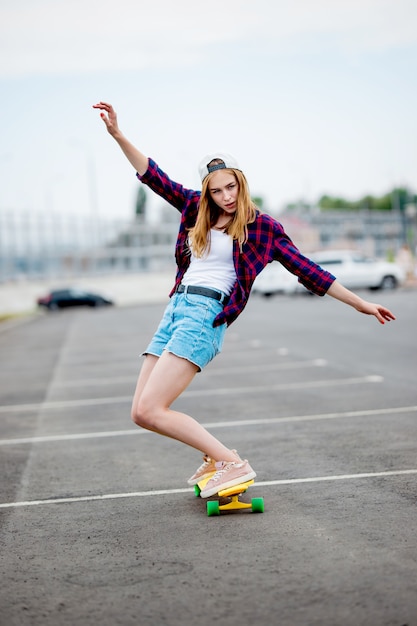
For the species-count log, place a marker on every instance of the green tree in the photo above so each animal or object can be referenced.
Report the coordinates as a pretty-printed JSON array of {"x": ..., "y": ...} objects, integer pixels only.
[
  {"x": 259, "y": 201},
  {"x": 384, "y": 203},
  {"x": 331, "y": 202},
  {"x": 396, "y": 200},
  {"x": 140, "y": 206},
  {"x": 400, "y": 197}
]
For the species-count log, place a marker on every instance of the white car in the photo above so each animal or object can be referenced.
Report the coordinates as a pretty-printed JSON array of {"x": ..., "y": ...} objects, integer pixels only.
[
  {"x": 353, "y": 269},
  {"x": 274, "y": 278}
]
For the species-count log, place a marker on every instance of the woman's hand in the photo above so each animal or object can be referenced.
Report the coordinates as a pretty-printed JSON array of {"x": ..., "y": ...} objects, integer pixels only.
[
  {"x": 338, "y": 291},
  {"x": 110, "y": 119},
  {"x": 381, "y": 313}
]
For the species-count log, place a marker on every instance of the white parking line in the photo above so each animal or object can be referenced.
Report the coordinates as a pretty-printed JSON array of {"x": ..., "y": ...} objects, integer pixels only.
[
  {"x": 310, "y": 384},
  {"x": 314, "y": 384},
  {"x": 113, "y": 380},
  {"x": 168, "y": 492},
  {"x": 63, "y": 404},
  {"x": 211, "y": 425}
]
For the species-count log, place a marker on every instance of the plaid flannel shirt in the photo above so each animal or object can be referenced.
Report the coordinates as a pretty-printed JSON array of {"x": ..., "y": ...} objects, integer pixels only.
[{"x": 267, "y": 241}]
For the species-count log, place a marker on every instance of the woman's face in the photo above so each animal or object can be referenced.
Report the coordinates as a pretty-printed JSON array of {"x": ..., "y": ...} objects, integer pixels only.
[{"x": 224, "y": 189}]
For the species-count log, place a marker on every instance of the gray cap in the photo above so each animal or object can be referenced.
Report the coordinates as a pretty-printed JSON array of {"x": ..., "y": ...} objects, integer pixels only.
[{"x": 227, "y": 162}]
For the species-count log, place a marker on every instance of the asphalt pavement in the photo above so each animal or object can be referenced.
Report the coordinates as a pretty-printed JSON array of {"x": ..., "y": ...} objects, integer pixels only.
[{"x": 98, "y": 525}]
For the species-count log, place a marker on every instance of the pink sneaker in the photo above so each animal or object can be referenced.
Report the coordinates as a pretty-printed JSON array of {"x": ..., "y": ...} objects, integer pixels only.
[
  {"x": 208, "y": 467},
  {"x": 228, "y": 474}
]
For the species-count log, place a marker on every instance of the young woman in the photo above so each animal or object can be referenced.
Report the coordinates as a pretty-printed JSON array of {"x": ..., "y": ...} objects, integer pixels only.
[{"x": 223, "y": 243}]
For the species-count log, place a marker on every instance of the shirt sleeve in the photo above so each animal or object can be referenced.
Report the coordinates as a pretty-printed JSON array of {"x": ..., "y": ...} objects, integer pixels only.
[
  {"x": 312, "y": 276},
  {"x": 174, "y": 193}
]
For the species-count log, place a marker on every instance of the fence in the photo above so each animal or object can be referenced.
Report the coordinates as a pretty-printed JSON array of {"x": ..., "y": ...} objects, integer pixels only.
[
  {"x": 37, "y": 246},
  {"x": 45, "y": 246}
]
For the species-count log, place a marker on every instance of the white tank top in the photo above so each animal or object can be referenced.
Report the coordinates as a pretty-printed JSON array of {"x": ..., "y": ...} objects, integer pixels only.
[{"x": 214, "y": 269}]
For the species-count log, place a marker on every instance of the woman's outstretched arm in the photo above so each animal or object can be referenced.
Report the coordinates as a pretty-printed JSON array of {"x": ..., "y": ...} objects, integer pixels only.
[{"x": 133, "y": 155}]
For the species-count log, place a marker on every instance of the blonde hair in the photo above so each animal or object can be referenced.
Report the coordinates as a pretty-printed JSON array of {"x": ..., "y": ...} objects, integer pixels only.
[{"x": 208, "y": 213}]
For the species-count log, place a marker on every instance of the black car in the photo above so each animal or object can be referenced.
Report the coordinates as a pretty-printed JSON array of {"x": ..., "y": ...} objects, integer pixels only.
[{"x": 63, "y": 298}]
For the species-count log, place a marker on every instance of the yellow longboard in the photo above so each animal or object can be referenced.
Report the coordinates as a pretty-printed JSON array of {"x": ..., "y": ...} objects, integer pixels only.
[{"x": 232, "y": 495}]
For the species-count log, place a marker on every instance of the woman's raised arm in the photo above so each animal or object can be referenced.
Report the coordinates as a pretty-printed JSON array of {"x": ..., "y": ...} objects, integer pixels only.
[{"x": 133, "y": 155}]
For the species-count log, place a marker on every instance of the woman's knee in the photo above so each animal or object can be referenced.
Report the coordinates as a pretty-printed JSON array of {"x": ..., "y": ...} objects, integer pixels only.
[{"x": 143, "y": 415}]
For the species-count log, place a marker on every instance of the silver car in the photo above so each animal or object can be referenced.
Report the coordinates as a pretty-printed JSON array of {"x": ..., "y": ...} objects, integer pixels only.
[{"x": 353, "y": 269}]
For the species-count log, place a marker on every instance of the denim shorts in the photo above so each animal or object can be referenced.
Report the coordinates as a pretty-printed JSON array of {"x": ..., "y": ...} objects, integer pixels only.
[{"x": 187, "y": 330}]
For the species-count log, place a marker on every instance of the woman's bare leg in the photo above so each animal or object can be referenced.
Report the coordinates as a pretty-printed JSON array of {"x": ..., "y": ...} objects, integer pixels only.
[
  {"x": 161, "y": 381},
  {"x": 146, "y": 370}
]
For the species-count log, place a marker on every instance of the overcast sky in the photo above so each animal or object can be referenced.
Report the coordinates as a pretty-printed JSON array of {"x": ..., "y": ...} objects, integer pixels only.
[{"x": 310, "y": 96}]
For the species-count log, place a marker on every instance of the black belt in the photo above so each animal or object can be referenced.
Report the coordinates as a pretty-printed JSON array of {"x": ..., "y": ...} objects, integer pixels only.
[{"x": 203, "y": 291}]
